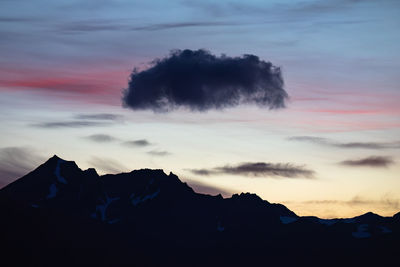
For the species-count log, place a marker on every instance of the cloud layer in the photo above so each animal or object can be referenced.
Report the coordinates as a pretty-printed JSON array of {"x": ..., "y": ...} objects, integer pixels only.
[
  {"x": 200, "y": 81},
  {"x": 259, "y": 169},
  {"x": 372, "y": 161},
  {"x": 329, "y": 142}
]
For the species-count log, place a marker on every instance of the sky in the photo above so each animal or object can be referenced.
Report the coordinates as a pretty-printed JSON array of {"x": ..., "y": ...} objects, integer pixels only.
[{"x": 331, "y": 149}]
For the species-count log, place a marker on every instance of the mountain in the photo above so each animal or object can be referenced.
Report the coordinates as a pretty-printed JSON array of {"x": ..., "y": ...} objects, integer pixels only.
[{"x": 60, "y": 215}]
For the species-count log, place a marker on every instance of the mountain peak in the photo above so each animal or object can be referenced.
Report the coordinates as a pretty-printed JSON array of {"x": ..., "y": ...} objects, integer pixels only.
[{"x": 247, "y": 196}]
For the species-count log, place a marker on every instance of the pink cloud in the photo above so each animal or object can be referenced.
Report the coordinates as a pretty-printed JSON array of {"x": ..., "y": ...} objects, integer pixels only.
[{"x": 94, "y": 86}]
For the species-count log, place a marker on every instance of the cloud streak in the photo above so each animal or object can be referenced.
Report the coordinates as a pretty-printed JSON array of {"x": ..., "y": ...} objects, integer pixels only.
[
  {"x": 83, "y": 120},
  {"x": 107, "y": 165},
  {"x": 69, "y": 124},
  {"x": 385, "y": 201},
  {"x": 329, "y": 142},
  {"x": 203, "y": 188},
  {"x": 137, "y": 143},
  {"x": 372, "y": 161},
  {"x": 99, "y": 116},
  {"x": 16, "y": 162},
  {"x": 167, "y": 26},
  {"x": 159, "y": 153},
  {"x": 200, "y": 81},
  {"x": 101, "y": 138},
  {"x": 258, "y": 169}
]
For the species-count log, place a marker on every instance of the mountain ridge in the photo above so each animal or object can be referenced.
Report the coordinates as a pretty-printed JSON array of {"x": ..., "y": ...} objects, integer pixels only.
[{"x": 147, "y": 211}]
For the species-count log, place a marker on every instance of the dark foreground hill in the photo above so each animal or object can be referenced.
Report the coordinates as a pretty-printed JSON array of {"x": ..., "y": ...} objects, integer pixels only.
[{"x": 59, "y": 215}]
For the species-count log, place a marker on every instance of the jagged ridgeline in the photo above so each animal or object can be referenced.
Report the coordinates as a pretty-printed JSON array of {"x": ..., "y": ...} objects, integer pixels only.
[{"x": 60, "y": 215}]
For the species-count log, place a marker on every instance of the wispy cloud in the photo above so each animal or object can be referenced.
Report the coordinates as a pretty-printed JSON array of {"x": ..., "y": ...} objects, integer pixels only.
[
  {"x": 110, "y": 25},
  {"x": 283, "y": 12},
  {"x": 83, "y": 120},
  {"x": 204, "y": 188},
  {"x": 16, "y": 162},
  {"x": 69, "y": 124},
  {"x": 188, "y": 24},
  {"x": 386, "y": 201},
  {"x": 101, "y": 138},
  {"x": 107, "y": 165},
  {"x": 160, "y": 153},
  {"x": 372, "y": 161},
  {"x": 137, "y": 143},
  {"x": 99, "y": 116},
  {"x": 259, "y": 169},
  {"x": 329, "y": 142}
]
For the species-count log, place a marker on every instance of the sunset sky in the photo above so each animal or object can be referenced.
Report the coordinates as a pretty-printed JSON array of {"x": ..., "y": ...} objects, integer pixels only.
[{"x": 336, "y": 143}]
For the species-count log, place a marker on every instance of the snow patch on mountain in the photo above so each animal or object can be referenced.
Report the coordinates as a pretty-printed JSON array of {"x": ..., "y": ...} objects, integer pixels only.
[
  {"x": 362, "y": 231},
  {"x": 287, "y": 219},
  {"x": 328, "y": 222},
  {"x": 58, "y": 174},
  {"x": 385, "y": 230},
  {"x": 220, "y": 228},
  {"x": 102, "y": 208},
  {"x": 139, "y": 199},
  {"x": 53, "y": 191}
]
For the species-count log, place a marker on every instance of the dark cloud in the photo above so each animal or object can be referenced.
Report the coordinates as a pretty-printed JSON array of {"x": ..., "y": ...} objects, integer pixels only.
[
  {"x": 16, "y": 162},
  {"x": 200, "y": 81},
  {"x": 101, "y": 138},
  {"x": 137, "y": 143},
  {"x": 329, "y": 142},
  {"x": 107, "y": 165},
  {"x": 372, "y": 161},
  {"x": 109, "y": 25},
  {"x": 17, "y": 19},
  {"x": 166, "y": 26},
  {"x": 259, "y": 169},
  {"x": 81, "y": 27},
  {"x": 160, "y": 153},
  {"x": 69, "y": 124},
  {"x": 99, "y": 116},
  {"x": 283, "y": 12},
  {"x": 83, "y": 120}
]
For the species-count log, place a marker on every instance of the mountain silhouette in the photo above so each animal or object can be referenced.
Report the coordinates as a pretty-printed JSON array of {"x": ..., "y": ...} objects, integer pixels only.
[{"x": 60, "y": 215}]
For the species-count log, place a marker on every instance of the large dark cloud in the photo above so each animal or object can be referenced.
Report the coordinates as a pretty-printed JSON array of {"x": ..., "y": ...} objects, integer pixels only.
[
  {"x": 200, "y": 81},
  {"x": 329, "y": 142},
  {"x": 372, "y": 161},
  {"x": 259, "y": 169},
  {"x": 16, "y": 162}
]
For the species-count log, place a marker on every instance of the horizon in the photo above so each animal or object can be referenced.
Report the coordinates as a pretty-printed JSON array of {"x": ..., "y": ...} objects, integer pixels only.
[
  {"x": 197, "y": 188},
  {"x": 295, "y": 101}
]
